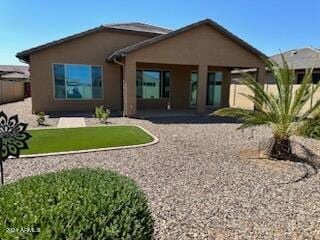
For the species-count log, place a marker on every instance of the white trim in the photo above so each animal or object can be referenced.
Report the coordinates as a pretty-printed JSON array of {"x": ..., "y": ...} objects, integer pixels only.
[
  {"x": 155, "y": 140},
  {"x": 65, "y": 82}
]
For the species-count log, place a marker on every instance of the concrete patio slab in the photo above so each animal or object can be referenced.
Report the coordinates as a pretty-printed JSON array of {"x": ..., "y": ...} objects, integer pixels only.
[{"x": 67, "y": 122}]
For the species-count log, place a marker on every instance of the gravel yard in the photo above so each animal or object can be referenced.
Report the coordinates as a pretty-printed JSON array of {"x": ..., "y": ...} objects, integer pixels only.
[
  {"x": 197, "y": 184},
  {"x": 23, "y": 109}
]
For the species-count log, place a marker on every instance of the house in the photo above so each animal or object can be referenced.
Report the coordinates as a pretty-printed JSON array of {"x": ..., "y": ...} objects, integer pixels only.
[
  {"x": 133, "y": 67},
  {"x": 299, "y": 59},
  {"x": 14, "y": 82}
]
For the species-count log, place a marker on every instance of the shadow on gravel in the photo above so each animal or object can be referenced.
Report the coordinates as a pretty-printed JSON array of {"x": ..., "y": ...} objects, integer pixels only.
[
  {"x": 190, "y": 120},
  {"x": 310, "y": 162}
]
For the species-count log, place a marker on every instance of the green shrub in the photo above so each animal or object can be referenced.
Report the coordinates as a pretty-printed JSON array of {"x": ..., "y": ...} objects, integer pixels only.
[
  {"x": 311, "y": 128},
  {"x": 74, "y": 204},
  {"x": 103, "y": 114},
  {"x": 41, "y": 118}
]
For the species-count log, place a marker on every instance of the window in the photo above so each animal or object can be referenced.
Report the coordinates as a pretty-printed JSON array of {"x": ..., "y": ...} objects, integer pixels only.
[
  {"x": 300, "y": 77},
  {"x": 153, "y": 84},
  {"x": 315, "y": 77},
  {"x": 214, "y": 87},
  {"x": 77, "y": 81}
]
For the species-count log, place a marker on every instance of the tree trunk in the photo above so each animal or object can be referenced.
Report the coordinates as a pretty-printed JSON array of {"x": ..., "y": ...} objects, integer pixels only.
[{"x": 280, "y": 149}]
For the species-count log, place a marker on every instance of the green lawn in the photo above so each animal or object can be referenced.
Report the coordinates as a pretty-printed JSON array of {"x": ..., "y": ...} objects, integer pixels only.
[{"x": 72, "y": 139}]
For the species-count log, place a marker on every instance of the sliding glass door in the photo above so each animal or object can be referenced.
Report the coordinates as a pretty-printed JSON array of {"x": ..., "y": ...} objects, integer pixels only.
[{"x": 214, "y": 88}]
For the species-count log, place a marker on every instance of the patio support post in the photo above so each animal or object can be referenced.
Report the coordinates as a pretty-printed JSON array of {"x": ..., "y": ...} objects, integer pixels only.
[
  {"x": 129, "y": 88},
  {"x": 262, "y": 75},
  {"x": 202, "y": 88}
]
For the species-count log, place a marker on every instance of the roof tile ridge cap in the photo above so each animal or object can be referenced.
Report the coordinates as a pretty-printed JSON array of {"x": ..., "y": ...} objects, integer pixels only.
[
  {"x": 144, "y": 23},
  {"x": 314, "y": 49}
]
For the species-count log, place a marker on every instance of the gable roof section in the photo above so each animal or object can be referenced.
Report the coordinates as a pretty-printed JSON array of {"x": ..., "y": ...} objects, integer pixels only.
[
  {"x": 124, "y": 51},
  {"x": 301, "y": 58},
  {"x": 134, "y": 27},
  {"x": 14, "y": 68}
]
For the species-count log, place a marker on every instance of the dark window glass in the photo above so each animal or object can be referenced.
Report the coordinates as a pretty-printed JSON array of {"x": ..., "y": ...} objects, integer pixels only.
[
  {"x": 300, "y": 77},
  {"x": 96, "y": 77},
  {"x": 59, "y": 81},
  {"x": 166, "y": 84},
  {"x": 315, "y": 78},
  {"x": 139, "y": 84}
]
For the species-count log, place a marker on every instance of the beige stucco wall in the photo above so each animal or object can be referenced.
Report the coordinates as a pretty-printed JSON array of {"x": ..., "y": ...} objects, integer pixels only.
[
  {"x": 92, "y": 49},
  {"x": 202, "y": 47},
  {"x": 238, "y": 100},
  {"x": 11, "y": 91}
]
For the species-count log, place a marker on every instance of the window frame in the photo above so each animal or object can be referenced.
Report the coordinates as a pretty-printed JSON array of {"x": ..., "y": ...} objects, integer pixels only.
[
  {"x": 161, "y": 83},
  {"x": 65, "y": 82},
  {"x": 303, "y": 73},
  {"x": 190, "y": 92},
  {"x": 214, "y": 105}
]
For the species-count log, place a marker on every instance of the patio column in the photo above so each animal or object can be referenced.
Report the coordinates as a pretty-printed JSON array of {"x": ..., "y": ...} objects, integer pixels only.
[
  {"x": 129, "y": 89},
  {"x": 202, "y": 88},
  {"x": 261, "y": 78}
]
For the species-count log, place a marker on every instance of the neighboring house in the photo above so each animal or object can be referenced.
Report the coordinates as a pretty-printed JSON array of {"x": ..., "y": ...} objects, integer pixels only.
[
  {"x": 14, "y": 83},
  {"x": 136, "y": 66},
  {"x": 298, "y": 59}
]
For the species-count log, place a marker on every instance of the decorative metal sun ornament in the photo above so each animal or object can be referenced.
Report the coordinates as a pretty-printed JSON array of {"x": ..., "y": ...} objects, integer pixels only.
[{"x": 13, "y": 138}]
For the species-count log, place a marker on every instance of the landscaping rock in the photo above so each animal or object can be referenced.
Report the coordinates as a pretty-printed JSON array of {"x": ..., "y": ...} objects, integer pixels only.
[{"x": 198, "y": 185}]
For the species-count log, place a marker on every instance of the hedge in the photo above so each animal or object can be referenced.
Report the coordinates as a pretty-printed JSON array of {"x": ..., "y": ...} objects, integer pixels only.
[{"x": 75, "y": 204}]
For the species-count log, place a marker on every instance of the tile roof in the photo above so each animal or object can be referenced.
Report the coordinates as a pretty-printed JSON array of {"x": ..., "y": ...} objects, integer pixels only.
[
  {"x": 134, "y": 27},
  {"x": 14, "y": 68},
  {"x": 138, "y": 26},
  {"x": 301, "y": 58}
]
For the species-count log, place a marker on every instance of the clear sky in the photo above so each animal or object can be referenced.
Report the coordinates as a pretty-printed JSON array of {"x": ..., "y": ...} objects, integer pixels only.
[{"x": 267, "y": 25}]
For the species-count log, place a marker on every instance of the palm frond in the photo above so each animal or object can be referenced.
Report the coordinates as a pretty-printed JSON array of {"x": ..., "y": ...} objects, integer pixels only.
[{"x": 279, "y": 111}]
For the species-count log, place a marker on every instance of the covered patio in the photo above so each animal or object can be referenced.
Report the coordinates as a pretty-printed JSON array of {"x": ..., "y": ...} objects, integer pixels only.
[{"x": 187, "y": 69}]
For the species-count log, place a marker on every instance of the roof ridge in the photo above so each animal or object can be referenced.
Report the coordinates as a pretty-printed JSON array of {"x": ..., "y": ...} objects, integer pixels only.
[
  {"x": 295, "y": 49},
  {"x": 314, "y": 49},
  {"x": 24, "y": 55},
  {"x": 144, "y": 23}
]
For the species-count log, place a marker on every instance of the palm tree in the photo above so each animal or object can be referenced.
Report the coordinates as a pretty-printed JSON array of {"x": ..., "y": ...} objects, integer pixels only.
[{"x": 281, "y": 112}]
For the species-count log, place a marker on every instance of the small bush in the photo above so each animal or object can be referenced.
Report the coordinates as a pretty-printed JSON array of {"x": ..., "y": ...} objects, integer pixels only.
[
  {"x": 102, "y": 114},
  {"x": 312, "y": 131},
  {"x": 311, "y": 128},
  {"x": 74, "y": 204},
  {"x": 41, "y": 118}
]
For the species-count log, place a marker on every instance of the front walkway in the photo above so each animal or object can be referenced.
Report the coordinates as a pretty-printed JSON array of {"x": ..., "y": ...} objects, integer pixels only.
[
  {"x": 198, "y": 186},
  {"x": 71, "y": 122}
]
